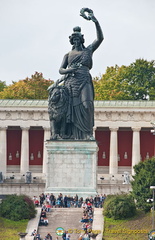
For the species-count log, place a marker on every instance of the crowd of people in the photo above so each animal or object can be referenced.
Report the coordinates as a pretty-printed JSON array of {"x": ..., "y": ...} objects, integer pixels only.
[
  {"x": 87, "y": 219},
  {"x": 48, "y": 201}
]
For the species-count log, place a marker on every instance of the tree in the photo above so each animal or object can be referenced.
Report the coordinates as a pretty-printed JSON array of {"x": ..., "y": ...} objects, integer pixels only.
[
  {"x": 142, "y": 180},
  {"x": 2, "y": 85},
  {"x": 111, "y": 86},
  {"x": 119, "y": 206},
  {"x": 141, "y": 79},
  {"x": 133, "y": 82},
  {"x": 29, "y": 88},
  {"x": 17, "y": 208}
]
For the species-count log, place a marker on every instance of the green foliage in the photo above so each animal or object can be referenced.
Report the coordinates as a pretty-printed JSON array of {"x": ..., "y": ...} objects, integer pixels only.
[
  {"x": 120, "y": 206},
  {"x": 2, "y": 85},
  {"x": 140, "y": 78},
  {"x": 133, "y": 82},
  {"x": 29, "y": 88},
  {"x": 143, "y": 179},
  {"x": 17, "y": 208},
  {"x": 111, "y": 86}
]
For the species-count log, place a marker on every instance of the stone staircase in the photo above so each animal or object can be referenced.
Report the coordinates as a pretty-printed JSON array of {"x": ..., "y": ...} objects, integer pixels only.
[{"x": 66, "y": 218}]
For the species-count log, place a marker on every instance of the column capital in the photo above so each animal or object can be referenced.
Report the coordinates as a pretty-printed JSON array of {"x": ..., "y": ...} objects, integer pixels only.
[
  {"x": 136, "y": 129},
  {"x": 46, "y": 128},
  {"x": 3, "y": 128},
  {"x": 25, "y": 128},
  {"x": 94, "y": 128},
  {"x": 113, "y": 129}
]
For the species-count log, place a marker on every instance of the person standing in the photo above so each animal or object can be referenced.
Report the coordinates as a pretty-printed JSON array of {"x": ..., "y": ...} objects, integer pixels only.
[
  {"x": 64, "y": 235},
  {"x": 67, "y": 236}
]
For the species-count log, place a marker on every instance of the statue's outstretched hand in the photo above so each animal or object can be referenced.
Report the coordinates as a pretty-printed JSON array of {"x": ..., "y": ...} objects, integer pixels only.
[
  {"x": 89, "y": 16},
  {"x": 93, "y": 18}
]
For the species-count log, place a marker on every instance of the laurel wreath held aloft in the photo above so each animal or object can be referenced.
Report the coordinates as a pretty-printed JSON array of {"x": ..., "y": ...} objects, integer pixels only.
[{"x": 88, "y": 10}]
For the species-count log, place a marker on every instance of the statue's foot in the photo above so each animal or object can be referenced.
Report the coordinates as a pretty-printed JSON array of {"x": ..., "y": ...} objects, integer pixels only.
[
  {"x": 54, "y": 137},
  {"x": 90, "y": 137}
]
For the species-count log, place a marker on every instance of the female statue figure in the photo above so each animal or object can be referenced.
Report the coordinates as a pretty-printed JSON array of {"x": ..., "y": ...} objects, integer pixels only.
[{"x": 75, "y": 68}]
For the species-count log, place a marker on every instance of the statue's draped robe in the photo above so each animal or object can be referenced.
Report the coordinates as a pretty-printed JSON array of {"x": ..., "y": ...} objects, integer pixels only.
[{"x": 80, "y": 115}]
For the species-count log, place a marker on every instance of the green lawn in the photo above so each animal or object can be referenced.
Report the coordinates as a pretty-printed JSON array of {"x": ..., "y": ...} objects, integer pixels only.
[
  {"x": 132, "y": 229},
  {"x": 9, "y": 229}
]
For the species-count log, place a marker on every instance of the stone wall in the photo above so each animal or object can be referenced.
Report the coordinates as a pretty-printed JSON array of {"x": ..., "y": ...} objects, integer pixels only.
[
  {"x": 36, "y": 189},
  {"x": 33, "y": 189}
]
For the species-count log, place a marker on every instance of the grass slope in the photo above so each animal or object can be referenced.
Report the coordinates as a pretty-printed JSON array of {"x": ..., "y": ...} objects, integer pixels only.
[
  {"x": 9, "y": 229},
  {"x": 131, "y": 229}
]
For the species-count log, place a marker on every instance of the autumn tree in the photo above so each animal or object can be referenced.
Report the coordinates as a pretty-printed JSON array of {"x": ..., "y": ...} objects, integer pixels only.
[
  {"x": 133, "y": 82},
  {"x": 111, "y": 85},
  {"x": 29, "y": 88}
]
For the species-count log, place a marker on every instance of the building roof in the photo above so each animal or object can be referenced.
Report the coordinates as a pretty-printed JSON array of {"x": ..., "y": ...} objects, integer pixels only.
[
  {"x": 23, "y": 103},
  {"x": 124, "y": 103},
  {"x": 98, "y": 104}
]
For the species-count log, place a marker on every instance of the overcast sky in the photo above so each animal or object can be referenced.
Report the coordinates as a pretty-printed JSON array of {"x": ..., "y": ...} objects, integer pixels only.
[{"x": 34, "y": 34}]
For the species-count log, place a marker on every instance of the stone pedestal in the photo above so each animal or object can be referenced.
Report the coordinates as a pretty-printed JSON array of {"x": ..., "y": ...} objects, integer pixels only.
[{"x": 71, "y": 167}]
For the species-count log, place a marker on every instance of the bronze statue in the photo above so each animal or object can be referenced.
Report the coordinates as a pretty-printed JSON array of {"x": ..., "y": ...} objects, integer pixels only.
[{"x": 79, "y": 117}]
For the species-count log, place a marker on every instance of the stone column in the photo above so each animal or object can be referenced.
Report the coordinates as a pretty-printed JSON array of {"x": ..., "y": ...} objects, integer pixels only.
[
  {"x": 3, "y": 150},
  {"x": 94, "y": 129},
  {"x": 113, "y": 164},
  {"x": 45, "y": 156},
  {"x": 135, "y": 147},
  {"x": 24, "y": 162}
]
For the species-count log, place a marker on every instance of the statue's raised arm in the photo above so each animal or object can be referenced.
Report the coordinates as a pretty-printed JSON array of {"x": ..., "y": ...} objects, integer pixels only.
[{"x": 90, "y": 16}]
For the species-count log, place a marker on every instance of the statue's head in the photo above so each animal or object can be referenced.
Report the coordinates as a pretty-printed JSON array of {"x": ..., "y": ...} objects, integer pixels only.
[{"x": 76, "y": 34}]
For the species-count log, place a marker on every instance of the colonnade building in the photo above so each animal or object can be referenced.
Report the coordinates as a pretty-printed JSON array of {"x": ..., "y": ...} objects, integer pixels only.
[{"x": 122, "y": 131}]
